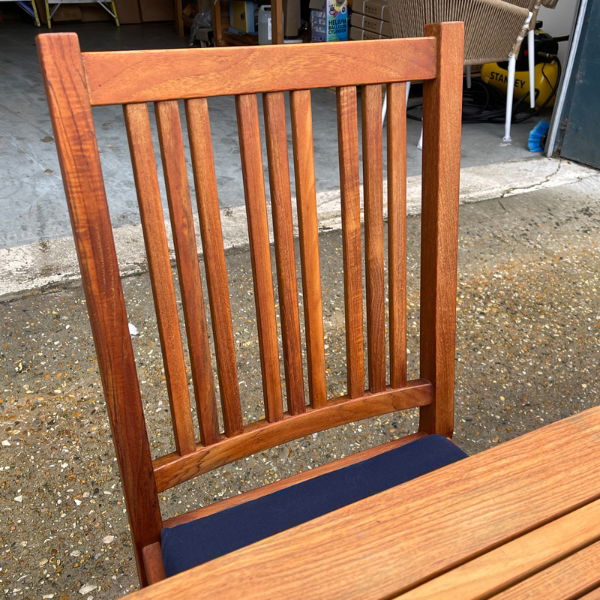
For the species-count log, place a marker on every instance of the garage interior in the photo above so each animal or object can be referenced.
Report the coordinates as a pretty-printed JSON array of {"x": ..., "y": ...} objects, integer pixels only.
[{"x": 32, "y": 191}]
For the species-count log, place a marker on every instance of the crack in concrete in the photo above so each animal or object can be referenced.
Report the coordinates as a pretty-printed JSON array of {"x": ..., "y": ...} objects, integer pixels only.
[{"x": 519, "y": 189}]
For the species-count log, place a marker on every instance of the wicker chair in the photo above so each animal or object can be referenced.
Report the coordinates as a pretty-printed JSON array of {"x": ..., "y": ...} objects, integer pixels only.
[
  {"x": 494, "y": 30},
  {"x": 533, "y": 6}
]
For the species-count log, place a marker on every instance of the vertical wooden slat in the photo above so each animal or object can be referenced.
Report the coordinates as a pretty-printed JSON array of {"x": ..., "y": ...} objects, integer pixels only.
[
  {"x": 184, "y": 240},
  {"x": 214, "y": 261},
  {"x": 347, "y": 115},
  {"x": 309, "y": 243},
  {"x": 217, "y": 24},
  {"x": 374, "y": 267},
  {"x": 277, "y": 29},
  {"x": 73, "y": 124},
  {"x": 260, "y": 251},
  {"x": 159, "y": 262},
  {"x": 396, "y": 167},
  {"x": 281, "y": 203},
  {"x": 439, "y": 225}
]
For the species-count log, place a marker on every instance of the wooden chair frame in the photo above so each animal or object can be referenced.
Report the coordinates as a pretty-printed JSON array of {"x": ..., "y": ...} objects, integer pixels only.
[{"x": 75, "y": 82}]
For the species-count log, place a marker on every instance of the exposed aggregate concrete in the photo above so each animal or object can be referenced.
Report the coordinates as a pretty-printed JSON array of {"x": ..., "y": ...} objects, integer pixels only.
[{"x": 527, "y": 354}]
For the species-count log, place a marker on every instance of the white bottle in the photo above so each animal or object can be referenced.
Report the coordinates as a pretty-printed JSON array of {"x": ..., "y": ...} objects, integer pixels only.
[{"x": 265, "y": 30}]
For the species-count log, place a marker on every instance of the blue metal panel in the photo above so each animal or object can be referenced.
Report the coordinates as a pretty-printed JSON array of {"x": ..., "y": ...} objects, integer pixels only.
[{"x": 581, "y": 122}]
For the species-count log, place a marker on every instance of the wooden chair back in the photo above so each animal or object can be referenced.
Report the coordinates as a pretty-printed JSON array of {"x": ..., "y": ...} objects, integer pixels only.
[{"x": 76, "y": 82}]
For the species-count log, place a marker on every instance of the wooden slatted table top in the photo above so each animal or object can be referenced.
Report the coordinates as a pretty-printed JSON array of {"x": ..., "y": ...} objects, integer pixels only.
[{"x": 521, "y": 520}]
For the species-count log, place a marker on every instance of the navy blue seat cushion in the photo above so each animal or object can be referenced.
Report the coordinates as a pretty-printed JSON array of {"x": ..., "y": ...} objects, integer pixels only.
[{"x": 191, "y": 544}]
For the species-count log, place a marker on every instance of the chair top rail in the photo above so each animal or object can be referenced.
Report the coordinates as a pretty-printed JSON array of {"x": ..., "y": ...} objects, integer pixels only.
[{"x": 153, "y": 75}]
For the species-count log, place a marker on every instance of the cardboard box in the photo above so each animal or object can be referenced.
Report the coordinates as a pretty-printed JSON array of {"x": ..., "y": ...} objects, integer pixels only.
[
  {"x": 67, "y": 12},
  {"x": 291, "y": 17},
  {"x": 156, "y": 10},
  {"x": 356, "y": 33},
  {"x": 128, "y": 11},
  {"x": 371, "y": 24},
  {"x": 92, "y": 13},
  {"x": 376, "y": 9},
  {"x": 329, "y": 20}
]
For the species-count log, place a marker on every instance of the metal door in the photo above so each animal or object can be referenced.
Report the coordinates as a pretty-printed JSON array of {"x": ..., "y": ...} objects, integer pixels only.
[{"x": 581, "y": 117}]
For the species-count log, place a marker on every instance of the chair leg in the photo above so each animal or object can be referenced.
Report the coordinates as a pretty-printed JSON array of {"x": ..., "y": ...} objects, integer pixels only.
[
  {"x": 531, "y": 57},
  {"x": 115, "y": 13},
  {"x": 468, "y": 73},
  {"x": 384, "y": 108},
  {"x": 48, "y": 15},
  {"x": 509, "y": 98},
  {"x": 36, "y": 17}
]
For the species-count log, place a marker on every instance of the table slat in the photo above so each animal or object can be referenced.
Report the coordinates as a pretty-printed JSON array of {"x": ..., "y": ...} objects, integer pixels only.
[
  {"x": 512, "y": 562},
  {"x": 569, "y": 578}
]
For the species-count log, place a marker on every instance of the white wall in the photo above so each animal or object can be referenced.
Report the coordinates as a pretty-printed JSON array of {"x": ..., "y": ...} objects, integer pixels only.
[{"x": 559, "y": 21}]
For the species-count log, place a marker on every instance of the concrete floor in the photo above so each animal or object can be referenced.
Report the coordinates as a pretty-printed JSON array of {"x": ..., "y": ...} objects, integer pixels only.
[
  {"x": 31, "y": 196},
  {"x": 528, "y": 354}
]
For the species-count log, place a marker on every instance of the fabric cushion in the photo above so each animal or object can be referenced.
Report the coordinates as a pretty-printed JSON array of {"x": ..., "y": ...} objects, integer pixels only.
[{"x": 191, "y": 544}]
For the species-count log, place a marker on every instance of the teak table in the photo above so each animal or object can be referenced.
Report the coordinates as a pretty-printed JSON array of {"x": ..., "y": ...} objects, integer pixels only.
[{"x": 520, "y": 520}]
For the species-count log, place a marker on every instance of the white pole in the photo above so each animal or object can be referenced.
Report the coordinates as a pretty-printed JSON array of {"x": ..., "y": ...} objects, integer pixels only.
[
  {"x": 509, "y": 98},
  {"x": 531, "y": 57}
]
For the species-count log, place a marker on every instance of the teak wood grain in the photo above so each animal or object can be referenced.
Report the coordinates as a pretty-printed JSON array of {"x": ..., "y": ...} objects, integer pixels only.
[
  {"x": 214, "y": 261},
  {"x": 396, "y": 186},
  {"x": 569, "y": 578},
  {"x": 306, "y": 195},
  {"x": 150, "y": 75},
  {"x": 439, "y": 227},
  {"x": 184, "y": 240},
  {"x": 285, "y": 255},
  {"x": 73, "y": 124},
  {"x": 372, "y": 147},
  {"x": 515, "y": 560},
  {"x": 77, "y": 81},
  {"x": 260, "y": 252},
  {"x": 141, "y": 148},
  {"x": 393, "y": 541},
  {"x": 172, "y": 469},
  {"x": 593, "y": 595},
  {"x": 351, "y": 238}
]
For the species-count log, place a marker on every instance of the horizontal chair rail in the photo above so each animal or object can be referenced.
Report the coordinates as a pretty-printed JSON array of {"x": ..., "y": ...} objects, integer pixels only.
[
  {"x": 173, "y": 469},
  {"x": 138, "y": 76}
]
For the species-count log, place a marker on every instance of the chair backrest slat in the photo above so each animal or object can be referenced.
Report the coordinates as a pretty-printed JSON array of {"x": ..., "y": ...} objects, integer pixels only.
[
  {"x": 260, "y": 252},
  {"x": 137, "y": 124},
  {"x": 209, "y": 217},
  {"x": 374, "y": 243},
  {"x": 396, "y": 193},
  {"x": 184, "y": 240},
  {"x": 347, "y": 113},
  {"x": 304, "y": 169},
  {"x": 439, "y": 227},
  {"x": 285, "y": 255}
]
